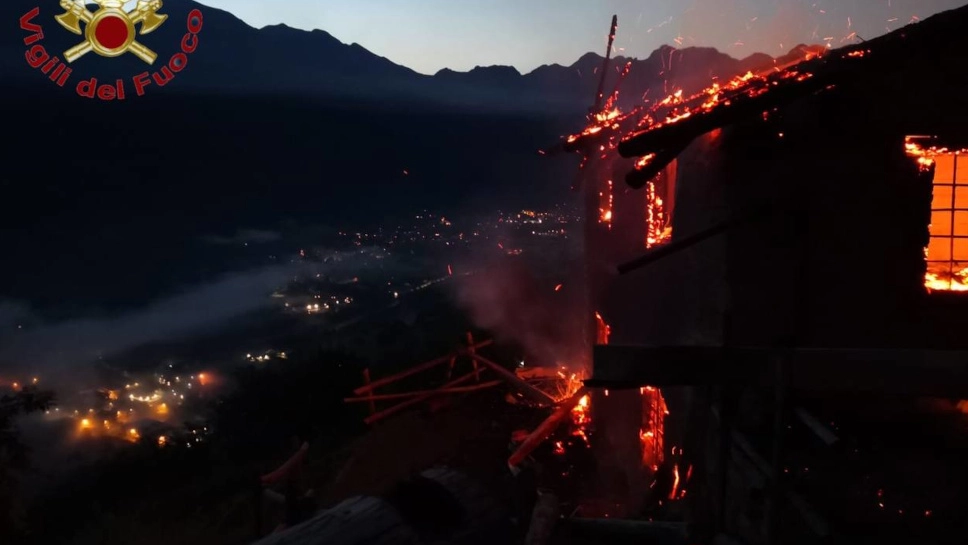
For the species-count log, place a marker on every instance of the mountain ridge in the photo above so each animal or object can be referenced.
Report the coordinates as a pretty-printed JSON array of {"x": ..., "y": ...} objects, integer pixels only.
[{"x": 236, "y": 58}]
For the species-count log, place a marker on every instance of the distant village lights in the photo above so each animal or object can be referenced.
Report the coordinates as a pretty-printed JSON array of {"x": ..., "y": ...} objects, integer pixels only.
[{"x": 58, "y": 72}]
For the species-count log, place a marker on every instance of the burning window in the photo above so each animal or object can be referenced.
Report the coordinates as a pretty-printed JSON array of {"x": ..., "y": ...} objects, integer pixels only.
[
  {"x": 660, "y": 199},
  {"x": 947, "y": 251}
]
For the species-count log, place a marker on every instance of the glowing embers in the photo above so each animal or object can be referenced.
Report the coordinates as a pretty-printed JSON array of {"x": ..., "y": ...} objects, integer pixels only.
[
  {"x": 659, "y": 201},
  {"x": 652, "y": 434},
  {"x": 606, "y": 202},
  {"x": 604, "y": 331},
  {"x": 947, "y": 252},
  {"x": 581, "y": 418},
  {"x": 658, "y": 228}
]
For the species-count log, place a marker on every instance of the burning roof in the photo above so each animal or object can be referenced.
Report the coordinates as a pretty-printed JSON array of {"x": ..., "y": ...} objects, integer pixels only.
[{"x": 657, "y": 133}]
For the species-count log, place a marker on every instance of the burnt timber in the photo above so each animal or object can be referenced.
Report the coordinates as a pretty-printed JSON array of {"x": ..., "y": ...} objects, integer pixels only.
[{"x": 818, "y": 376}]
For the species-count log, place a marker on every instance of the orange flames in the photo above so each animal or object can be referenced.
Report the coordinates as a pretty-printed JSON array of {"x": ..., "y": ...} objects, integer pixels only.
[
  {"x": 581, "y": 417},
  {"x": 947, "y": 259},
  {"x": 567, "y": 385},
  {"x": 657, "y": 229},
  {"x": 651, "y": 435},
  {"x": 654, "y": 412},
  {"x": 606, "y": 200},
  {"x": 607, "y": 128},
  {"x": 604, "y": 330}
]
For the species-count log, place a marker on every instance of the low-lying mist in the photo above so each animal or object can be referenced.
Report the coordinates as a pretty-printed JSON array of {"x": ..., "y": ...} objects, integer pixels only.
[{"x": 62, "y": 350}]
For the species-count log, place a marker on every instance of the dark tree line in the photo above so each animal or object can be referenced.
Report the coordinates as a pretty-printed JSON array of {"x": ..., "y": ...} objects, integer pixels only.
[{"x": 14, "y": 456}]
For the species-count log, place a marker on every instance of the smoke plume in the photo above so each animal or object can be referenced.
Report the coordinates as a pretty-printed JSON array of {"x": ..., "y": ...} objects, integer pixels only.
[{"x": 507, "y": 297}]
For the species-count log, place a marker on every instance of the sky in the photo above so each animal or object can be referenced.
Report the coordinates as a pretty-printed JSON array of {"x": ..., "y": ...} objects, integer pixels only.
[{"x": 427, "y": 35}]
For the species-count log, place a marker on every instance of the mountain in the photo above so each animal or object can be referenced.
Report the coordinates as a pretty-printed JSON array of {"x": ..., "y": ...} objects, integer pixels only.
[
  {"x": 235, "y": 58},
  {"x": 271, "y": 129}
]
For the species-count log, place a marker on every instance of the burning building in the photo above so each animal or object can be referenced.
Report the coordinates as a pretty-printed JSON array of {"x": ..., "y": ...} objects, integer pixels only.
[{"x": 785, "y": 257}]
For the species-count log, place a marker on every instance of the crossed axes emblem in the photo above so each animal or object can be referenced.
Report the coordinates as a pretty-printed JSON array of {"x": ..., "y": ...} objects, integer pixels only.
[{"x": 110, "y": 31}]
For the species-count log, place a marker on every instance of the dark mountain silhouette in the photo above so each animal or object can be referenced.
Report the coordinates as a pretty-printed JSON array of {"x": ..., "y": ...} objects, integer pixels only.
[
  {"x": 274, "y": 129},
  {"x": 235, "y": 58}
]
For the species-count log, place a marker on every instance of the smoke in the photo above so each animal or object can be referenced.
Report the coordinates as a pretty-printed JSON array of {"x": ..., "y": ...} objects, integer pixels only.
[
  {"x": 64, "y": 347},
  {"x": 508, "y": 298}
]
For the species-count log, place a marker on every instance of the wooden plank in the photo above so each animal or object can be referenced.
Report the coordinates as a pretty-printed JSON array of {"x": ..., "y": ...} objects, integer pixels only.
[
  {"x": 438, "y": 391},
  {"x": 850, "y": 371},
  {"x": 534, "y": 393},
  {"x": 687, "y": 242},
  {"x": 544, "y": 430},
  {"x": 418, "y": 368},
  {"x": 411, "y": 402}
]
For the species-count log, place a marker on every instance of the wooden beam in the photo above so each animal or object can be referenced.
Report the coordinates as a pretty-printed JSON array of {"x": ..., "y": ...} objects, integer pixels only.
[
  {"x": 661, "y": 252},
  {"x": 850, "y": 371},
  {"x": 405, "y": 395},
  {"x": 534, "y": 393},
  {"x": 544, "y": 430},
  {"x": 418, "y": 368},
  {"x": 411, "y": 402}
]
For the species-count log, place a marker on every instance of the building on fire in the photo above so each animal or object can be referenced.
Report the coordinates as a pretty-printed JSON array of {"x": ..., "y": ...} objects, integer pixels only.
[{"x": 785, "y": 255}]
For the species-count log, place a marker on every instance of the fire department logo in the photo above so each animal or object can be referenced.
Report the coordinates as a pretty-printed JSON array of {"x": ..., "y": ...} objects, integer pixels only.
[{"x": 110, "y": 31}]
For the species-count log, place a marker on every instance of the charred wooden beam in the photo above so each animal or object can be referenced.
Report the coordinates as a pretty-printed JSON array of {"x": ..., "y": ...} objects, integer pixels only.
[
  {"x": 684, "y": 243},
  {"x": 438, "y": 391},
  {"x": 419, "y": 368},
  {"x": 605, "y": 63},
  {"x": 851, "y": 371},
  {"x": 544, "y": 430},
  {"x": 418, "y": 399},
  {"x": 534, "y": 393},
  {"x": 766, "y": 473},
  {"x": 643, "y": 175}
]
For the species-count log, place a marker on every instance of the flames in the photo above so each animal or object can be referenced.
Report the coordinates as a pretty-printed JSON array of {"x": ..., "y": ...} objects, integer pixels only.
[
  {"x": 606, "y": 202},
  {"x": 654, "y": 412},
  {"x": 611, "y": 126},
  {"x": 947, "y": 262},
  {"x": 658, "y": 229},
  {"x": 678, "y": 106},
  {"x": 581, "y": 418},
  {"x": 604, "y": 330},
  {"x": 923, "y": 156},
  {"x": 567, "y": 385}
]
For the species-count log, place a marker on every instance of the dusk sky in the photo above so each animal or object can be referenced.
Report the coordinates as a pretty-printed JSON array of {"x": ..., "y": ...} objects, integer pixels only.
[{"x": 428, "y": 35}]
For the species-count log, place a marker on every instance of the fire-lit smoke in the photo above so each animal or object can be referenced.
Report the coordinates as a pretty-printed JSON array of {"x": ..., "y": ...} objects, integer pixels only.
[{"x": 508, "y": 299}]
